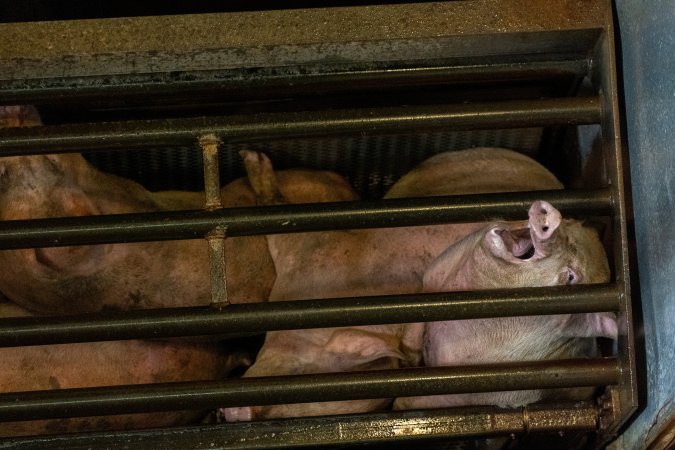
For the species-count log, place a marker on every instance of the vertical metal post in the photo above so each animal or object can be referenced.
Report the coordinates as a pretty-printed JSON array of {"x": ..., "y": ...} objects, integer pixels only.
[{"x": 216, "y": 239}]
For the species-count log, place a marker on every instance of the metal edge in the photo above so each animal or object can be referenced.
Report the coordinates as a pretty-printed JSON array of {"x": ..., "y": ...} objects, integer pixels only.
[
  {"x": 293, "y": 27},
  {"x": 334, "y": 431},
  {"x": 625, "y": 402}
]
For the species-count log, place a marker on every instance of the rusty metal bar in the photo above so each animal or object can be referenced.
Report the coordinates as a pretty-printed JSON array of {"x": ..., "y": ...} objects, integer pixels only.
[
  {"x": 605, "y": 75},
  {"x": 216, "y": 238},
  {"x": 392, "y": 427},
  {"x": 264, "y": 82},
  {"x": 258, "y": 317},
  {"x": 250, "y": 221},
  {"x": 209, "y": 144},
  {"x": 217, "y": 267},
  {"x": 308, "y": 388},
  {"x": 262, "y": 127}
]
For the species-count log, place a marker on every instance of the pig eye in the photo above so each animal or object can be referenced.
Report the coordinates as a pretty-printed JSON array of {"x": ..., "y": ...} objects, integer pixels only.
[{"x": 571, "y": 277}]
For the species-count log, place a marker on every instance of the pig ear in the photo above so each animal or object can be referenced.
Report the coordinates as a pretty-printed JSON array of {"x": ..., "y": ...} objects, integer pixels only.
[
  {"x": 77, "y": 260},
  {"x": 362, "y": 347}
]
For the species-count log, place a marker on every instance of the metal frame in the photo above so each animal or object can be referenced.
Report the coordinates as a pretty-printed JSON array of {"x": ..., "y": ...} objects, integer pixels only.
[
  {"x": 340, "y": 431},
  {"x": 517, "y": 52}
]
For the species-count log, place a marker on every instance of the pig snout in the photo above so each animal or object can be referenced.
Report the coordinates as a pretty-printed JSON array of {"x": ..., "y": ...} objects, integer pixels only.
[{"x": 544, "y": 220}]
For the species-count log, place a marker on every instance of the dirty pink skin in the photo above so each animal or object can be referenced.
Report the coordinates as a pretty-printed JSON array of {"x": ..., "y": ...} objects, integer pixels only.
[
  {"x": 545, "y": 251},
  {"x": 110, "y": 363},
  {"x": 372, "y": 262},
  {"x": 67, "y": 280}
]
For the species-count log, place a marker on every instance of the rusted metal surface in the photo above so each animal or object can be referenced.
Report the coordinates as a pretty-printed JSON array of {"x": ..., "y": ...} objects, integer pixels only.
[
  {"x": 369, "y": 33},
  {"x": 209, "y": 144},
  {"x": 216, "y": 237},
  {"x": 394, "y": 427},
  {"x": 260, "y": 127}
]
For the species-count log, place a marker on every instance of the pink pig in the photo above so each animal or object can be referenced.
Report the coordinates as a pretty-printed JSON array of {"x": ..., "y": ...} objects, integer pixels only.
[
  {"x": 67, "y": 280},
  {"x": 400, "y": 260},
  {"x": 107, "y": 364}
]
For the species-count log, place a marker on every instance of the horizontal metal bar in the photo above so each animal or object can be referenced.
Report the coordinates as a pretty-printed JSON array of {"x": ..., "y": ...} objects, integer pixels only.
[
  {"x": 265, "y": 82},
  {"x": 336, "y": 431},
  {"x": 159, "y": 226},
  {"x": 237, "y": 319},
  {"x": 261, "y": 127},
  {"x": 308, "y": 388}
]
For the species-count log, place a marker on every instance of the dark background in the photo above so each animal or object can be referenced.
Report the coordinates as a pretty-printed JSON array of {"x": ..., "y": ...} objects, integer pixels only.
[{"x": 37, "y": 10}]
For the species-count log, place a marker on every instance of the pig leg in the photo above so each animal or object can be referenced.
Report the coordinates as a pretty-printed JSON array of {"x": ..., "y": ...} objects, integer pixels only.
[{"x": 262, "y": 178}]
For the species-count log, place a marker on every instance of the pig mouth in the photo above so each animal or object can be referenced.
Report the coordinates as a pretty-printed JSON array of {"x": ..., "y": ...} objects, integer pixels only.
[{"x": 519, "y": 243}]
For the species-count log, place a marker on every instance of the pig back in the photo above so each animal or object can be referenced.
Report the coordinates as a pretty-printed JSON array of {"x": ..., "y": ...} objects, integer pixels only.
[
  {"x": 474, "y": 171},
  {"x": 70, "y": 280}
]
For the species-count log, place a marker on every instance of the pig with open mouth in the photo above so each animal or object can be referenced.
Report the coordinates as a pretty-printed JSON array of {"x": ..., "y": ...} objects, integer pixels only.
[{"x": 543, "y": 251}]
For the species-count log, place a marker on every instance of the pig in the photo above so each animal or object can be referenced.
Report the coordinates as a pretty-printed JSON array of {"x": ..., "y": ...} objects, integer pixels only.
[
  {"x": 544, "y": 251},
  {"x": 383, "y": 261},
  {"x": 81, "y": 365},
  {"x": 90, "y": 278}
]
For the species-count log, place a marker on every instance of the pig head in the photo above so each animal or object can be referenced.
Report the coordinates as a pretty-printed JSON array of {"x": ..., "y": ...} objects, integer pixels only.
[{"x": 546, "y": 250}]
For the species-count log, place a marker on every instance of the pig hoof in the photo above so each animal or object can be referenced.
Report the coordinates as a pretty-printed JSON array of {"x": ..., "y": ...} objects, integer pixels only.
[{"x": 242, "y": 414}]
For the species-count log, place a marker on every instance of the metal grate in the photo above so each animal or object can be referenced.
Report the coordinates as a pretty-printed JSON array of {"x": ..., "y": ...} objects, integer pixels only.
[
  {"x": 323, "y": 120},
  {"x": 364, "y": 160}
]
